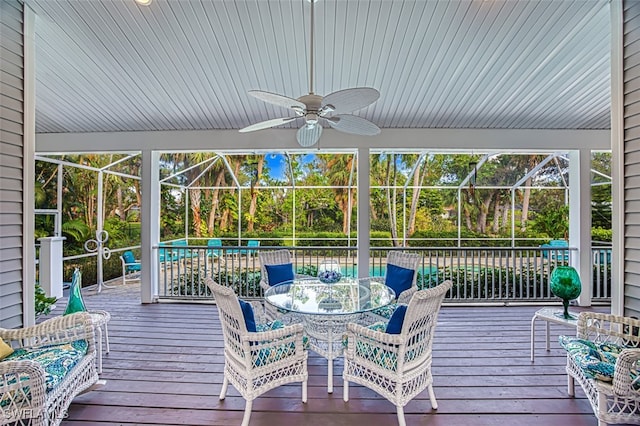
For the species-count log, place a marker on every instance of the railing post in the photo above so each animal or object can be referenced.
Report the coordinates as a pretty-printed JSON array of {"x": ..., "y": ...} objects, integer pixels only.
[{"x": 51, "y": 265}]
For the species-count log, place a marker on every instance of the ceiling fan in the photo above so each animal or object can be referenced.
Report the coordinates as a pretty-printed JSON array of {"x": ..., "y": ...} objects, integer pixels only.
[{"x": 333, "y": 108}]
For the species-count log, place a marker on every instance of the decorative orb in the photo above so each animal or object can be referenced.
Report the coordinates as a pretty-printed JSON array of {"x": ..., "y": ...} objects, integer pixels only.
[
  {"x": 329, "y": 277},
  {"x": 565, "y": 284}
]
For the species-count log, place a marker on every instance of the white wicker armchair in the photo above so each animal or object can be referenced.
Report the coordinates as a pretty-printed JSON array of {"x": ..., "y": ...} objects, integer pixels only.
[
  {"x": 255, "y": 362},
  {"x": 396, "y": 366},
  {"x": 408, "y": 261},
  {"x": 276, "y": 257},
  {"x": 404, "y": 260},
  {"x": 617, "y": 401},
  {"x": 37, "y": 394}
]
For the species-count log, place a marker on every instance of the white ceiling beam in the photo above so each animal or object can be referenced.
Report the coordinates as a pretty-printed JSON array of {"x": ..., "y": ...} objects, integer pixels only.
[{"x": 282, "y": 139}]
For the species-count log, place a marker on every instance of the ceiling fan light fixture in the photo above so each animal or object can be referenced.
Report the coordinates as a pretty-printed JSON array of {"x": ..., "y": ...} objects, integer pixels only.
[
  {"x": 144, "y": 2},
  {"x": 311, "y": 118}
]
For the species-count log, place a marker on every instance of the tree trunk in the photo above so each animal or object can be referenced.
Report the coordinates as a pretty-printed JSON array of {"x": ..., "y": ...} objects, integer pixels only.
[
  {"x": 195, "y": 198},
  {"x": 525, "y": 205},
  {"x": 496, "y": 216},
  {"x": 391, "y": 201},
  {"x": 215, "y": 201},
  {"x": 120, "y": 211},
  {"x": 415, "y": 197},
  {"x": 253, "y": 205},
  {"x": 505, "y": 213}
]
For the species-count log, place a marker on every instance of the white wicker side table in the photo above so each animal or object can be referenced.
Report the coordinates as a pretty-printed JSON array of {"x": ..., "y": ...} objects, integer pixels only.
[
  {"x": 100, "y": 320},
  {"x": 549, "y": 315}
]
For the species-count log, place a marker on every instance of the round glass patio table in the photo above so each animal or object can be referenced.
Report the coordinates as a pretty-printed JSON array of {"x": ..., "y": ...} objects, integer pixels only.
[{"x": 325, "y": 309}]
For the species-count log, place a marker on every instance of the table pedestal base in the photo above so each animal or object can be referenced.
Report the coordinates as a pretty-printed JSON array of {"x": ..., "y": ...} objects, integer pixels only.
[{"x": 325, "y": 337}]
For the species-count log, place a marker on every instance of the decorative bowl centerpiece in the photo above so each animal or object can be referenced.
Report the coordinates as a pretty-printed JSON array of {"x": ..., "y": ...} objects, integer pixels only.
[{"x": 329, "y": 276}]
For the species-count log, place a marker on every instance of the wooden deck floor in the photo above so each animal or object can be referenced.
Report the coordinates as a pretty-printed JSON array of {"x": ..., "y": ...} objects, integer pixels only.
[{"x": 166, "y": 361}]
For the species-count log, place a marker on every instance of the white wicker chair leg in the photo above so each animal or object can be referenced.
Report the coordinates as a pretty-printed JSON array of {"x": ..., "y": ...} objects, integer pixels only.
[
  {"x": 106, "y": 337},
  {"x": 247, "y": 413},
  {"x": 225, "y": 385},
  {"x": 345, "y": 391},
  {"x": 304, "y": 391},
  {"x": 571, "y": 386},
  {"x": 432, "y": 397},
  {"x": 602, "y": 406},
  {"x": 99, "y": 345},
  {"x": 401, "y": 421}
]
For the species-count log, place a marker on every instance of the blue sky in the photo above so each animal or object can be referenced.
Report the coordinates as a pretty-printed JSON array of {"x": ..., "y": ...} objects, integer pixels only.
[{"x": 278, "y": 164}]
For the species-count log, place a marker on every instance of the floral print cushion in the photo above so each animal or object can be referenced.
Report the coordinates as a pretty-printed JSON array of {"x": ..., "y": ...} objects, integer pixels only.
[
  {"x": 262, "y": 357},
  {"x": 385, "y": 311},
  {"x": 56, "y": 360},
  {"x": 597, "y": 360},
  {"x": 385, "y": 359}
]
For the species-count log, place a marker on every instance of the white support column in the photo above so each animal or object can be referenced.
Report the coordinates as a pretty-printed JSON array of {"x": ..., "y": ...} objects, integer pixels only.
[
  {"x": 364, "y": 219},
  {"x": 150, "y": 230},
  {"x": 617, "y": 159},
  {"x": 51, "y": 265},
  {"x": 580, "y": 219},
  {"x": 28, "y": 171}
]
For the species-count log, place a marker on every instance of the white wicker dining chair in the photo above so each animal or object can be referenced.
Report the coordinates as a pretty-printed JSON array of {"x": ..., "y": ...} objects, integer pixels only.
[
  {"x": 396, "y": 366},
  {"x": 407, "y": 261},
  {"x": 275, "y": 257},
  {"x": 255, "y": 362}
]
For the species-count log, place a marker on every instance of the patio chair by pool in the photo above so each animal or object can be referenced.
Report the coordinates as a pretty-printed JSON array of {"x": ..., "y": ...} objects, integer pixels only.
[
  {"x": 257, "y": 357},
  {"x": 394, "y": 358},
  {"x": 553, "y": 251},
  {"x": 252, "y": 243},
  {"x": 130, "y": 265},
  {"x": 214, "y": 253},
  {"x": 181, "y": 253}
]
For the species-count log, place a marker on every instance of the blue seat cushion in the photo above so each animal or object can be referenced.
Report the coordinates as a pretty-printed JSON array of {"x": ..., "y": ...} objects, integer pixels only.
[
  {"x": 247, "y": 313},
  {"x": 278, "y": 274},
  {"x": 385, "y": 312},
  {"x": 597, "y": 360},
  {"x": 56, "y": 360},
  {"x": 266, "y": 356},
  {"x": 399, "y": 278},
  {"x": 394, "y": 326}
]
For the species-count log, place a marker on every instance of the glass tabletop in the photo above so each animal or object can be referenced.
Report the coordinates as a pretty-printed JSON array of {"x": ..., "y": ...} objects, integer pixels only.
[{"x": 347, "y": 296}]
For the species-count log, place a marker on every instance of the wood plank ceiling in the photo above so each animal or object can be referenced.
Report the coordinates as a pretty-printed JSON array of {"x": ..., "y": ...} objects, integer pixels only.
[{"x": 112, "y": 65}]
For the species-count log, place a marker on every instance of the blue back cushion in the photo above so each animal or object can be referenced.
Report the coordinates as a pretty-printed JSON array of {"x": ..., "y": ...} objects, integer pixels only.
[
  {"x": 278, "y": 274},
  {"x": 399, "y": 278},
  {"x": 247, "y": 313},
  {"x": 394, "y": 326}
]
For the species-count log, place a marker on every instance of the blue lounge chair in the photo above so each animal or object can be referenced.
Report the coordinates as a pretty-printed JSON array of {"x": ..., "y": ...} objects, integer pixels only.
[
  {"x": 215, "y": 253},
  {"x": 252, "y": 243},
  {"x": 182, "y": 253},
  {"x": 554, "y": 252},
  {"x": 129, "y": 265}
]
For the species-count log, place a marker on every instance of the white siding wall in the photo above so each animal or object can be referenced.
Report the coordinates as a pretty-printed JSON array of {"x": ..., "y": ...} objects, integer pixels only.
[{"x": 11, "y": 162}]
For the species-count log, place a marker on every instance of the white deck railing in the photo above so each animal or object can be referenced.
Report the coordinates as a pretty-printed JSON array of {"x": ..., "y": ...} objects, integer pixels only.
[{"x": 480, "y": 274}]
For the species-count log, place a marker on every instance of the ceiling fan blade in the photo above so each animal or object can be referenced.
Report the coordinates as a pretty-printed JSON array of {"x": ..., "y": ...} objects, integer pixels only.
[
  {"x": 275, "y": 99},
  {"x": 353, "y": 124},
  {"x": 349, "y": 100},
  {"x": 266, "y": 124},
  {"x": 309, "y": 134}
]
